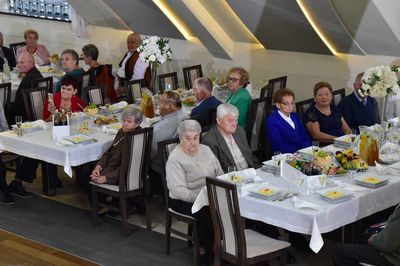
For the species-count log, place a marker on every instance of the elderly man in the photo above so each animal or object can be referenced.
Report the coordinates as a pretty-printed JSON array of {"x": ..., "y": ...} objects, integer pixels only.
[
  {"x": 202, "y": 90},
  {"x": 358, "y": 110},
  {"x": 228, "y": 141},
  {"x": 165, "y": 128},
  {"x": 26, "y": 66},
  {"x": 100, "y": 74},
  {"x": 130, "y": 67},
  {"x": 6, "y": 55}
]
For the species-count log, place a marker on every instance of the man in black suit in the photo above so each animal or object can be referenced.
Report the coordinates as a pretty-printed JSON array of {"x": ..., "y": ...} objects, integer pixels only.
[
  {"x": 6, "y": 53},
  {"x": 202, "y": 89},
  {"x": 26, "y": 66}
]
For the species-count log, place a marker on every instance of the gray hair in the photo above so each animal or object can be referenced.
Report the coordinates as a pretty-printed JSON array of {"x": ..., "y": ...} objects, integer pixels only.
[
  {"x": 188, "y": 125},
  {"x": 134, "y": 112},
  {"x": 204, "y": 84},
  {"x": 226, "y": 109}
]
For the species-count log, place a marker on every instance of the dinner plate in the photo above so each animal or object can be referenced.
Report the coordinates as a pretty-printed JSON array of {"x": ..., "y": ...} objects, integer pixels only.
[
  {"x": 235, "y": 178},
  {"x": 372, "y": 182},
  {"x": 345, "y": 139},
  {"x": 334, "y": 195},
  {"x": 27, "y": 127},
  {"x": 79, "y": 139},
  {"x": 265, "y": 192}
]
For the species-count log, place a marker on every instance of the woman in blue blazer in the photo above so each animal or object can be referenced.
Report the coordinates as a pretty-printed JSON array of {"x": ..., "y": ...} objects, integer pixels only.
[{"x": 285, "y": 131}]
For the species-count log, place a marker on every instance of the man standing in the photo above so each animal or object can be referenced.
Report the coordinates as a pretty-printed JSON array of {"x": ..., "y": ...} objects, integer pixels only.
[
  {"x": 26, "y": 65},
  {"x": 358, "y": 110},
  {"x": 6, "y": 53},
  {"x": 202, "y": 90},
  {"x": 130, "y": 67}
]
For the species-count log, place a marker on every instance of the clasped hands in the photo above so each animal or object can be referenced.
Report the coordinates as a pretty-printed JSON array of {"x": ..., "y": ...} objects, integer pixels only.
[{"x": 96, "y": 175}]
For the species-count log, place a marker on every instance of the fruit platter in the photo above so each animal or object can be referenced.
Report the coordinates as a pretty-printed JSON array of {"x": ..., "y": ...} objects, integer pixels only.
[
  {"x": 323, "y": 163},
  {"x": 349, "y": 159}
]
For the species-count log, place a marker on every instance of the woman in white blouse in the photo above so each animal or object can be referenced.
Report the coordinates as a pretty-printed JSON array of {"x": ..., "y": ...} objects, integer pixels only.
[{"x": 187, "y": 166}]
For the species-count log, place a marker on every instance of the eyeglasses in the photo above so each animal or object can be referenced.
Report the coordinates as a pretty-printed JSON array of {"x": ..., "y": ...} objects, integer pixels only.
[
  {"x": 229, "y": 79},
  {"x": 288, "y": 103}
]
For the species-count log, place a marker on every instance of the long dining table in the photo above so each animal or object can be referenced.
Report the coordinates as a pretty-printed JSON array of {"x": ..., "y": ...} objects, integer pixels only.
[{"x": 294, "y": 215}]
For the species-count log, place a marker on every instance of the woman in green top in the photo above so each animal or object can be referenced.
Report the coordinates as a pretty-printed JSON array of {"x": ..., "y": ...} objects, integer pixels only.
[
  {"x": 70, "y": 61},
  {"x": 238, "y": 96}
]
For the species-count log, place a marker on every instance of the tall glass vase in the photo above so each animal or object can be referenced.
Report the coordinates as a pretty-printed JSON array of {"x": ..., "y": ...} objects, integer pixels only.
[
  {"x": 154, "y": 87},
  {"x": 384, "y": 117}
]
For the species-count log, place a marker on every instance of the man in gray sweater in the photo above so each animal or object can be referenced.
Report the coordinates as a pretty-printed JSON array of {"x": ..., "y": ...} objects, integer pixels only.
[{"x": 383, "y": 248}]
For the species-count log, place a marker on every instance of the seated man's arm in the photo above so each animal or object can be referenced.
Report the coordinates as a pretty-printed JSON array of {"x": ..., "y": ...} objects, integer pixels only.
[{"x": 388, "y": 240}]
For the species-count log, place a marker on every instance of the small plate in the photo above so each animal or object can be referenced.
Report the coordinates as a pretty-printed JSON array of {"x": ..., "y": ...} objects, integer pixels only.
[
  {"x": 346, "y": 139},
  {"x": 79, "y": 139},
  {"x": 334, "y": 195},
  {"x": 234, "y": 178},
  {"x": 265, "y": 192},
  {"x": 370, "y": 181}
]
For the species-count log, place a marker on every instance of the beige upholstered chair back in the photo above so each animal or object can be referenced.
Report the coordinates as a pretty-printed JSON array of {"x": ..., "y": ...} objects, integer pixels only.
[{"x": 34, "y": 100}]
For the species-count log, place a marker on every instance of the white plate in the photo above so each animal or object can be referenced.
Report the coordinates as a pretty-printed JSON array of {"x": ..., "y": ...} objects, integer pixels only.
[
  {"x": 265, "y": 191},
  {"x": 234, "y": 178},
  {"x": 345, "y": 139},
  {"x": 79, "y": 139},
  {"x": 370, "y": 181},
  {"x": 334, "y": 195}
]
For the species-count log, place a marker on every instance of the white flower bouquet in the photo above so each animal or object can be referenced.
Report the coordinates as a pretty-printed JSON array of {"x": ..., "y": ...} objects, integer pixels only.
[
  {"x": 154, "y": 50},
  {"x": 380, "y": 81}
]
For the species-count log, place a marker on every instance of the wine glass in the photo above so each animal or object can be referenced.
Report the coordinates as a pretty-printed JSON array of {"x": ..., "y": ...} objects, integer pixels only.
[
  {"x": 352, "y": 169},
  {"x": 315, "y": 147},
  {"x": 107, "y": 105},
  {"x": 18, "y": 121}
]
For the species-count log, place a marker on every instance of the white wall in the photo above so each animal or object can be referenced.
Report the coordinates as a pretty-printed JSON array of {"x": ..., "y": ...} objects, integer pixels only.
[{"x": 303, "y": 70}]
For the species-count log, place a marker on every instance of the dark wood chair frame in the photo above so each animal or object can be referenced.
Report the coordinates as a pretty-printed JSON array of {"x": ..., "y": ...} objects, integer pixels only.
[
  {"x": 30, "y": 112},
  {"x": 5, "y": 88},
  {"x": 122, "y": 194},
  {"x": 129, "y": 95},
  {"x": 86, "y": 94},
  {"x": 173, "y": 76},
  {"x": 39, "y": 83},
  {"x": 269, "y": 89},
  {"x": 341, "y": 93},
  {"x": 302, "y": 106},
  {"x": 170, "y": 214},
  {"x": 15, "y": 46},
  {"x": 238, "y": 227},
  {"x": 187, "y": 77}
]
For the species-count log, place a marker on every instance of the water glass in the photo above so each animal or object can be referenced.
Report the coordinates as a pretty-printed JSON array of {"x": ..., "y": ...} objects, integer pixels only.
[
  {"x": 315, "y": 146},
  {"x": 277, "y": 158},
  {"x": 231, "y": 168}
]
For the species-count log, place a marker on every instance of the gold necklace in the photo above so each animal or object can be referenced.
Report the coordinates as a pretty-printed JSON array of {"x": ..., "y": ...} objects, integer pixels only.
[{"x": 118, "y": 141}]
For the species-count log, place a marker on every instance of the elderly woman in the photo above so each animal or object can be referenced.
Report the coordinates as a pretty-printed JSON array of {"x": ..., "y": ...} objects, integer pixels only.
[
  {"x": 64, "y": 100},
  {"x": 284, "y": 129},
  {"x": 70, "y": 61},
  {"x": 39, "y": 52},
  {"x": 238, "y": 96},
  {"x": 107, "y": 169},
  {"x": 323, "y": 121},
  {"x": 228, "y": 141},
  {"x": 187, "y": 166}
]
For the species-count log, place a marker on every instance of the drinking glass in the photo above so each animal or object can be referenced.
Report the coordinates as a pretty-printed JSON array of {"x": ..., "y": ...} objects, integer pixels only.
[
  {"x": 277, "y": 158},
  {"x": 231, "y": 168},
  {"x": 315, "y": 146},
  {"x": 352, "y": 169},
  {"x": 18, "y": 122},
  {"x": 353, "y": 137}
]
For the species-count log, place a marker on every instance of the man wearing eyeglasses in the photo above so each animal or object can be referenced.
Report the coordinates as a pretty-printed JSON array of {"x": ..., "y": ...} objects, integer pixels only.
[{"x": 237, "y": 80}]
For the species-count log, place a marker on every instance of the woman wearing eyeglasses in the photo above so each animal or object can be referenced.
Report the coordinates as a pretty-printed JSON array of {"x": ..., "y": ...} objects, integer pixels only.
[
  {"x": 284, "y": 129},
  {"x": 238, "y": 96}
]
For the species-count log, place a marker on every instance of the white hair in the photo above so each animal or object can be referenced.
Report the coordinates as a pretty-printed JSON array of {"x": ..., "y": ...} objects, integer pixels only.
[
  {"x": 227, "y": 109},
  {"x": 188, "y": 125},
  {"x": 134, "y": 112}
]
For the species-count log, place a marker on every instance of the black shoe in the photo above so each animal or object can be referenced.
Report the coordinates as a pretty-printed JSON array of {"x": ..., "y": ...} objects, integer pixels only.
[
  {"x": 7, "y": 199},
  {"x": 17, "y": 189}
]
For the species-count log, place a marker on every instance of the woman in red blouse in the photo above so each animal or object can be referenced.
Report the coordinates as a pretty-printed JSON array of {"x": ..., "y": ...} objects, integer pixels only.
[{"x": 63, "y": 100}]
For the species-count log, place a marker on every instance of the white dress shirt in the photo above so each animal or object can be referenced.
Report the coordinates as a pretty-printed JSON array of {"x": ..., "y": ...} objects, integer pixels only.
[
  {"x": 287, "y": 119},
  {"x": 138, "y": 70}
]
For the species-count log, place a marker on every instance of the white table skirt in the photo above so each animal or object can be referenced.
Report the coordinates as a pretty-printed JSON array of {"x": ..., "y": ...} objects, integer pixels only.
[
  {"x": 40, "y": 145},
  {"x": 309, "y": 221}
]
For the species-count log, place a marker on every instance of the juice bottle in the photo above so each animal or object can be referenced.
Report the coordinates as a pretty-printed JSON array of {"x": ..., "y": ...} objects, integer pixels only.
[
  {"x": 373, "y": 152},
  {"x": 364, "y": 136}
]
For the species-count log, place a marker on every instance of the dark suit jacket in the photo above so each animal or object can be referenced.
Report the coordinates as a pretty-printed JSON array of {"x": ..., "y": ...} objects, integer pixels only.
[
  {"x": 8, "y": 53},
  {"x": 216, "y": 142},
  {"x": 202, "y": 109},
  {"x": 26, "y": 83}
]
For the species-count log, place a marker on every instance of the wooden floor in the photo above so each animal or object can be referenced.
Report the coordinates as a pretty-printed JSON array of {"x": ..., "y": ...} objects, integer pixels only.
[{"x": 16, "y": 250}]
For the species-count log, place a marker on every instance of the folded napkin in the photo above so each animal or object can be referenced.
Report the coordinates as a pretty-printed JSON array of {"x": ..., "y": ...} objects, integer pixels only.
[
  {"x": 119, "y": 105},
  {"x": 393, "y": 169},
  {"x": 39, "y": 123},
  {"x": 302, "y": 204},
  {"x": 110, "y": 131}
]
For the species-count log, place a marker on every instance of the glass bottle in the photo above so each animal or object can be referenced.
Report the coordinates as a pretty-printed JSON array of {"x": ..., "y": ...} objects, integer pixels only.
[
  {"x": 364, "y": 136},
  {"x": 34, "y": 8},
  {"x": 49, "y": 11},
  {"x": 11, "y": 6},
  {"x": 373, "y": 151},
  {"x": 41, "y": 8},
  {"x": 6, "y": 68}
]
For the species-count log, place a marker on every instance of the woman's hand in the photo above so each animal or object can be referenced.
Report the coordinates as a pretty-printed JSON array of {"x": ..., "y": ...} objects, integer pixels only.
[
  {"x": 96, "y": 171},
  {"x": 51, "y": 108},
  {"x": 99, "y": 179}
]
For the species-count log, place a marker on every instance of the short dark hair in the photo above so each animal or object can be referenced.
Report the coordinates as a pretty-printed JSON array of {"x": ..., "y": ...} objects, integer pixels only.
[
  {"x": 73, "y": 53},
  {"x": 279, "y": 94},
  {"x": 321, "y": 85},
  {"x": 69, "y": 80},
  {"x": 90, "y": 50}
]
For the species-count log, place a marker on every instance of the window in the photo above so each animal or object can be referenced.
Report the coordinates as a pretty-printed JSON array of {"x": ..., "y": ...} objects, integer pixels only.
[{"x": 50, "y": 9}]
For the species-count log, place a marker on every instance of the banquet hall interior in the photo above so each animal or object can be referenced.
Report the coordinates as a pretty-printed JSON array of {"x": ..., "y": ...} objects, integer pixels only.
[{"x": 301, "y": 42}]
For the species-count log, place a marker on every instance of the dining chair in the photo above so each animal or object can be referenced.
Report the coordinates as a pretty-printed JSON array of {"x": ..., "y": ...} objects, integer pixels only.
[
  {"x": 43, "y": 82},
  {"x": 301, "y": 107},
  {"x": 255, "y": 126},
  {"x": 168, "y": 81},
  {"x": 272, "y": 86},
  {"x": 34, "y": 100},
  {"x": 134, "y": 90},
  {"x": 190, "y": 74},
  {"x": 5, "y": 99},
  {"x": 93, "y": 94},
  {"x": 15, "y": 46},
  {"x": 134, "y": 167},
  {"x": 211, "y": 117},
  {"x": 339, "y": 95},
  {"x": 234, "y": 243},
  {"x": 166, "y": 147}
]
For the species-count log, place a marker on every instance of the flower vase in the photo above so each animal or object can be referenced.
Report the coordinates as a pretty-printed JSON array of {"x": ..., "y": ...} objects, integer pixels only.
[
  {"x": 154, "y": 87},
  {"x": 384, "y": 110}
]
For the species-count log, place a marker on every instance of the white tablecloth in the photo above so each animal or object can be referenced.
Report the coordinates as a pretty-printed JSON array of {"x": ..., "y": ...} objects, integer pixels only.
[
  {"x": 309, "y": 221},
  {"x": 40, "y": 145}
]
